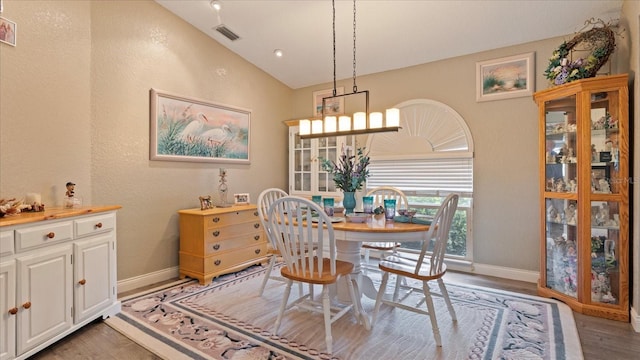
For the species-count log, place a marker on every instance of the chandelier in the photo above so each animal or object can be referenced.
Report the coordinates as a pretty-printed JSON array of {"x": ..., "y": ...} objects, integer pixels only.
[{"x": 362, "y": 122}]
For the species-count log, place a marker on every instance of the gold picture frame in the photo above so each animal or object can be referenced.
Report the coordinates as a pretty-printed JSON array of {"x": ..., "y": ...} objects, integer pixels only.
[{"x": 332, "y": 107}]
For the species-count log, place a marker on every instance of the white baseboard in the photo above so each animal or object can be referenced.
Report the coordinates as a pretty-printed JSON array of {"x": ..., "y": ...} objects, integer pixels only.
[
  {"x": 148, "y": 279},
  {"x": 635, "y": 319},
  {"x": 505, "y": 272}
]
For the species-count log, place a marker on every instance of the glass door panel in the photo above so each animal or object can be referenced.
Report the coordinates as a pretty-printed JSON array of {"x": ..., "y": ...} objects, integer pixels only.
[
  {"x": 561, "y": 246},
  {"x": 605, "y": 249},
  {"x": 605, "y": 164}
]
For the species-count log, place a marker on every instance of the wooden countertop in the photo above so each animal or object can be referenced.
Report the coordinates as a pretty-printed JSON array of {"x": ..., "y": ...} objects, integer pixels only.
[{"x": 52, "y": 214}]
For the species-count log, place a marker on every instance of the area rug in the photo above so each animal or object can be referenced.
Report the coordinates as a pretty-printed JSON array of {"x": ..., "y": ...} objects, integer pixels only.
[{"x": 228, "y": 320}]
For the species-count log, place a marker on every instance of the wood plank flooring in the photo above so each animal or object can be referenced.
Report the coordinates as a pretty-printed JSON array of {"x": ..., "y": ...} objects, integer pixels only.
[{"x": 601, "y": 339}]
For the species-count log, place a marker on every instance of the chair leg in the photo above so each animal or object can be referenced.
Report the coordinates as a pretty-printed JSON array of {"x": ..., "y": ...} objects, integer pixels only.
[
  {"x": 381, "y": 291},
  {"x": 396, "y": 290},
  {"x": 283, "y": 305},
  {"x": 267, "y": 274},
  {"x": 326, "y": 307},
  {"x": 447, "y": 300},
  {"x": 432, "y": 313},
  {"x": 366, "y": 261}
]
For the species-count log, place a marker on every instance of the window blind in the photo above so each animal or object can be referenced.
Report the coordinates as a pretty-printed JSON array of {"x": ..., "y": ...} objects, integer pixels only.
[{"x": 431, "y": 177}]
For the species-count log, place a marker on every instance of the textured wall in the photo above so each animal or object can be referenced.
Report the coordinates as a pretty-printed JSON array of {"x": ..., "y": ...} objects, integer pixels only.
[{"x": 45, "y": 105}]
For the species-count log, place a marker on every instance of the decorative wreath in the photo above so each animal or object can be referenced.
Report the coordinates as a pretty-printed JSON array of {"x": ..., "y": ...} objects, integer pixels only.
[{"x": 601, "y": 40}]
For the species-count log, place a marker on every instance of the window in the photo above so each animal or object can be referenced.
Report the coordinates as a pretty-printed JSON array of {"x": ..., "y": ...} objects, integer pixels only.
[{"x": 430, "y": 157}]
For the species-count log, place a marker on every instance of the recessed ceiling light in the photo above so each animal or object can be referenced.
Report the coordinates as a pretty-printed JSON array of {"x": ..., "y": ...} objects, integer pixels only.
[
  {"x": 216, "y": 5},
  {"x": 278, "y": 52}
]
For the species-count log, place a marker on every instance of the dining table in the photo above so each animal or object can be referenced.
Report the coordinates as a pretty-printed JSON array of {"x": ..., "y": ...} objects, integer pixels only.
[{"x": 349, "y": 237}]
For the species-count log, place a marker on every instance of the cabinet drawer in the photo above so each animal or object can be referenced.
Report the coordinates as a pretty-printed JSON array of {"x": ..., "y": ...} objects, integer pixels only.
[
  {"x": 35, "y": 236},
  {"x": 213, "y": 246},
  {"x": 231, "y": 218},
  {"x": 6, "y": 243},
  {"x": 95, "y": 224},
  {"x": 227, "y": 232},
  {"x": 221, "y": 262}
]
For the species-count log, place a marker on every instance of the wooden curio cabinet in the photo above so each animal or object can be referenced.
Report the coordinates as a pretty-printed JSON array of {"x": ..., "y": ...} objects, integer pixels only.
[{"x": 584, "y": 195}]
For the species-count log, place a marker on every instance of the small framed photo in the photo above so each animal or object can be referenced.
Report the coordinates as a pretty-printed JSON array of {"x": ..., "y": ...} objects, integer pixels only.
[
  {"x": 505, "y": 78},
  {"x": 8, "y": 31},
  {"x": 332, "y": 106},
  {"x": 241, "y": 199},
  {"x": 206, "y": 203}
]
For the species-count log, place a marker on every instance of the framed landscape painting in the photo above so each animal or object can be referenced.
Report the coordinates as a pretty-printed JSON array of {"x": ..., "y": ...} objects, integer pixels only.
[
  {"x": 186, "y": 129},
  {"x": 332, "y": 106},
  {"x": 504, "y": 78}
]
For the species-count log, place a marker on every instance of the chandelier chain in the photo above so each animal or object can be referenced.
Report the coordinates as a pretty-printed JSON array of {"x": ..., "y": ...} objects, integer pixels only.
[
  {"x": 333, "y": 4},
  {"x": 355, "y": 87}
]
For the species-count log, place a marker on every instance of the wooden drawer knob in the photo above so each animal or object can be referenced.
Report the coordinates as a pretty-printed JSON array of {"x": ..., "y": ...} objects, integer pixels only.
[
  {"x": 216, "y": 247},
  {"x": 13, "y": 311},
  {"x": 255, "y": 213},
  {"x": 26, "y": 305},
  {"x": 256, "y": 225},
  {"x": 215, "y": 219},
  {"x": 257, "y": 237},
  {"x": 217, "y": 262},
  {"x": 51, "y": 235},
  {"x": 98, "y": 225},
  {"x": 257, "y": 251},
  {"x": 216, "y": 233},
  {"x": 82, "y": 282}
]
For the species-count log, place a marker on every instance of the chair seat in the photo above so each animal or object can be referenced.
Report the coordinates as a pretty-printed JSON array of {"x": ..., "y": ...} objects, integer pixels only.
[
  {"x": 406, "y": 266},
  {"x": 389, "y": 245},
  {"x": 342, "y": 268}
]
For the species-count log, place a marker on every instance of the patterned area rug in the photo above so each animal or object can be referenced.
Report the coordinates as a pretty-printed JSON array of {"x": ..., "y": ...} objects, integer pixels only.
[{"x": 228, "y": 320}]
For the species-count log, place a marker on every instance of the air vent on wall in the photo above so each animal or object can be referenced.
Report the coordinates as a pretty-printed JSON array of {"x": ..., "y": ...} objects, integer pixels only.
[{"x": 222, "y": 29}]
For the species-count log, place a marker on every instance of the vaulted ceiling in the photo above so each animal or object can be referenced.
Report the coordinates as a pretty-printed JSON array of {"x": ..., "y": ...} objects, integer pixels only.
[{"x": 390, "y": 34}]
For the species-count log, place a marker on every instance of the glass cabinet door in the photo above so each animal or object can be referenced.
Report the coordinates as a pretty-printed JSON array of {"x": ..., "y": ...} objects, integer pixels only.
[
  {"x": 562, "y": 246},
  {"x": 561, "y": 159},
  {"x": 301, "y": 166},
  {"x": 605, "y": 160},
  {"x": 605, "y": 250}
]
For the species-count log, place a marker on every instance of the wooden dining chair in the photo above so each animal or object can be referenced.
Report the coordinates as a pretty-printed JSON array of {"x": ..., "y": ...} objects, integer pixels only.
[
  {"x": 297, "y": 229},
  {"x": 423, "y": 267},
  {"x": 379, "y": 195},
  {"x": 265, "y": 199}
]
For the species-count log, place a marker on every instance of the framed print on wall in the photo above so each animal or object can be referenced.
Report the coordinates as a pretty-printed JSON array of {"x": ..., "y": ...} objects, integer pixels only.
[
  {"x": 8, "y": 31},
  {"x": 186, "y": 129},
  {"x": 505, "y": 78},
  {"x": 332, "y": 106}
]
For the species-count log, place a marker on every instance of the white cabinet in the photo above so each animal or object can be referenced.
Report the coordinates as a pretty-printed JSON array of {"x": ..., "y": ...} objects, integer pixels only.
[
  {"x": 57, "y": 273},
  {"x": 9, "y": 309},
  {"x": 306, "y": 176},
  {"x": 44, "y": 296}
]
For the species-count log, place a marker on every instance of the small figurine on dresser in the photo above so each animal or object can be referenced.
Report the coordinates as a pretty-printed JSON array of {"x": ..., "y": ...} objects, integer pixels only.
[{"x": 70, "y": 199}]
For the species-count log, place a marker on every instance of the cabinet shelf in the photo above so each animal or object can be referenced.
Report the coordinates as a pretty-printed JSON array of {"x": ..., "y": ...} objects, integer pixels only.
[{"x": 584, "y": 240}]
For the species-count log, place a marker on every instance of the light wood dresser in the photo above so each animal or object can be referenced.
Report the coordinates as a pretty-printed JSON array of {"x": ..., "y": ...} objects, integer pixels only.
[
  {"x": 219, "y": 241},
  {"x": 57, "y": 273}
]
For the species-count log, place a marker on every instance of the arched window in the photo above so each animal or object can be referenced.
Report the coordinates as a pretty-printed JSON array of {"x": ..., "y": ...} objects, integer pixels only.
[{"x": 428, "y": 158}]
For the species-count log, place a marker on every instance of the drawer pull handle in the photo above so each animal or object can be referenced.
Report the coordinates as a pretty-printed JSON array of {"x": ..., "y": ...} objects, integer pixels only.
[
  {"x": 82, "y": 282},
  {"x": 216, "y": 247},
  {"x": 257, "y": 237},
  {"x": 216, "y": 233},
  {"x": 255, "y": 213},
  {"x": 257, "y": 251},
  {"x": 217, "y": 262},
  {"x": 256, "y": 225},
  {"x": 99, "y": 225},
  {"x": 51, "y": 235},
  {"x": 216, "y": 219},
  {"x": 13, "y": 311},
  {"x": 26, "y": 305}
]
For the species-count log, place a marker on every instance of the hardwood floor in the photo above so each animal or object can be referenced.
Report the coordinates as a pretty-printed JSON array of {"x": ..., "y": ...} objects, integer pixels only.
[{"x": 601, "y": 339}]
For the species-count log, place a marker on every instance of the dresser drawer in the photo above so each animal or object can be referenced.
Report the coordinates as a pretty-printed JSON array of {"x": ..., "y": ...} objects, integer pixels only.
[
  {"x": 213, "y": 246},
  {"x": 35, "y": 236},
  {"x": 218, "y": 263},
  {"x": 231, "y": 218},
  {"x": 6, "y": 243},
  {"x": 227, "y": 232},
  {"x": 95, "y": 224}
]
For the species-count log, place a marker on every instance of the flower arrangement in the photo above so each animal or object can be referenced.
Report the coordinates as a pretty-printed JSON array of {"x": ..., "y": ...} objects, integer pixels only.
[
  {"x": 600, "y": 39},
  {"x": 350, "y": 172}
]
